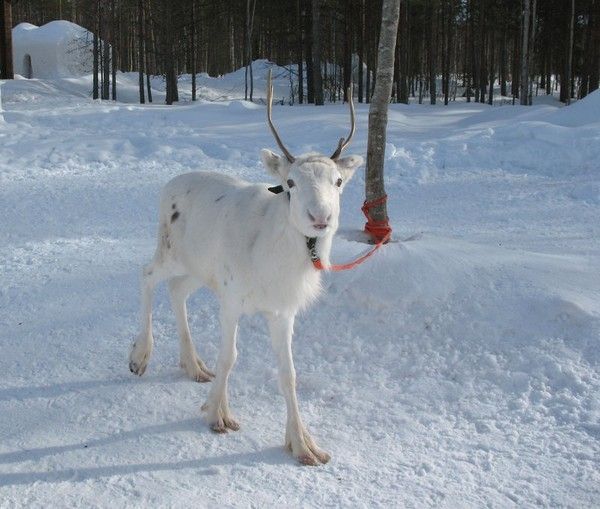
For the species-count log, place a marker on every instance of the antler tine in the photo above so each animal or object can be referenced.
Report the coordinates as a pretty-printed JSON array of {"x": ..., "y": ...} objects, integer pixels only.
[
  {"x": 343, "y": 143},
  {"x": 285, "y": 151}
]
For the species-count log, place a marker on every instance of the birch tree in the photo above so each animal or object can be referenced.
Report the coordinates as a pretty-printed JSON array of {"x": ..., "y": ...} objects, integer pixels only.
[{"x": 378, "y": 110}]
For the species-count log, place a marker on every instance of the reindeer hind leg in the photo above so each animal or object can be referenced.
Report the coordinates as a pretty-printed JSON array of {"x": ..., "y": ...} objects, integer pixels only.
[
  {"x": 152, "y": 274},
  {"x": 180, "y": 288}
]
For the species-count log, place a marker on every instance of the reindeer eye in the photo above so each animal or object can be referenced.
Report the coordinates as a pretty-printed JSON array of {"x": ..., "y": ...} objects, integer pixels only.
[
  {"x": 290, "y": 183},
  {"x": 339, "y": 182}
]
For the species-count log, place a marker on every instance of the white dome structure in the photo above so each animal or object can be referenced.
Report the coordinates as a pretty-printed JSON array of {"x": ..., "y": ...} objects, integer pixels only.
[{"x": 58, "y": 49}]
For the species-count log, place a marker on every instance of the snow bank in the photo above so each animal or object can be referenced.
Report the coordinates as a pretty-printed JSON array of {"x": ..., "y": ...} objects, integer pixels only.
[
  {"x": 542, "y": 140},
  {"x": 458, "y": 367},
  {"x": 232, "y": 86},
  {"x": 583, "y": 112}
]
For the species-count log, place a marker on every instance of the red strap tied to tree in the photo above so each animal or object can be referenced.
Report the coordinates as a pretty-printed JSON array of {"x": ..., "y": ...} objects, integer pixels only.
[{"x": 380, "y": 231}]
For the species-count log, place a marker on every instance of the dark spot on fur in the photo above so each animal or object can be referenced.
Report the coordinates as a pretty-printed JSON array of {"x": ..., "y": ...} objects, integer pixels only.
[
  {"x": 174, "y": 216},
  {"x": 220, "y": 198},
  {"x": 173, "y": 206},
  {"x": 188, "y": 191}
]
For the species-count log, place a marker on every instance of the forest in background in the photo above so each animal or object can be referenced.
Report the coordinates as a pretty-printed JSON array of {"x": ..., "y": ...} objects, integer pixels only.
[{"x": 445, "y": 47}]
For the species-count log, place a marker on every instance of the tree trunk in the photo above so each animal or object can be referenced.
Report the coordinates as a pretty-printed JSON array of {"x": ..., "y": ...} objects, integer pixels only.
[
  {"x": 114, "y": 31},
  {"x": 378, "y": 111},
  {"x": 299, "y": 46},
  {"x": 482, "y": 47},
  {"x": 524, "y": 92},
  {"x": 569, "y": 70},
  {"x": 472, "y": 68},
  {"x": 446, "y": 55},
  {"x": 96, "y": 65},
  {"x": 361, "y": 49},
  {"x": 250, "y": 8},
  {"x": 531, "y": 56},
  {"x": 149, "y": 31},
  {"x": 193, "y": 48},
  {"x": 503, "y": 90},
  {"x": 514, "y": 89},
  {"x": 316, "y": 52},
  {"x": 431, "y": 53},
  {"x": 347, "y": 49},
  {"x": 6, "y": 51},
  {"x": 310, "y": 97},
  {"x": 396, "y": 85},
  {"x": 404, "y": 52},
  {"x": 492, "y": 75},
  {"x": 141, "y": 60},
  {"x": 106, "y": 70},
  {"x": 595, "y": 48}
]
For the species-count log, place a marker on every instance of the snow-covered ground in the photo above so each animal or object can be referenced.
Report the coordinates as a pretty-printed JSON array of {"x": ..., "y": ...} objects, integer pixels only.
[{"x": 459, "y": 367}]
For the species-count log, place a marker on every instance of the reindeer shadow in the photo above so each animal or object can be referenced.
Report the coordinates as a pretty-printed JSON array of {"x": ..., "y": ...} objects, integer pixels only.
[
  {"x": 53, "y": 391},
  {"x": 203, "y": 466},
  {"x": 40, "y": 452}
]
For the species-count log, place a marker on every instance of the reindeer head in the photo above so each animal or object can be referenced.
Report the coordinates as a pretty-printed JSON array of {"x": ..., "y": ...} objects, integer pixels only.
[{"x": 314, "y": 181}]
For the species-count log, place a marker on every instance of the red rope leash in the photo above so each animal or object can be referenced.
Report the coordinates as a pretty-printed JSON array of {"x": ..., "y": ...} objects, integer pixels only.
[{"x": 380, "y": 231}]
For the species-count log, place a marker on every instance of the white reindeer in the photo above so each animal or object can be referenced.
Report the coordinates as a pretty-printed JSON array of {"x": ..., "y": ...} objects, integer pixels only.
[{"x": 250, "y": 247}]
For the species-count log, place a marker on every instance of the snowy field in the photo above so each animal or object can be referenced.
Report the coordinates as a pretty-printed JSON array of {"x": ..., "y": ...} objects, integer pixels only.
[{"x": 459, "y": 367}]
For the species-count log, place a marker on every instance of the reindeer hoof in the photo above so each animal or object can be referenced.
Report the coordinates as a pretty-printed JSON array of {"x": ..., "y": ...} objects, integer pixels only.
[
  {"x": 308, "y": 459},
  {"x": 197, "y": 371},
  {"x": 137, "y": 369},
  {"x": 201, "y": 378},
  {"x": 231, "y": 424},
  {"x": 306, "y": 451},
  {"x": 219, "y": 427},
  {"x": 323, "y": 457},
  {"x": 140, "y": 355}
]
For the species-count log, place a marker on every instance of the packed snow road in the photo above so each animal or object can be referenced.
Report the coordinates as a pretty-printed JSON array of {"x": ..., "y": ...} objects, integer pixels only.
[{"x": 459, "y": 368}]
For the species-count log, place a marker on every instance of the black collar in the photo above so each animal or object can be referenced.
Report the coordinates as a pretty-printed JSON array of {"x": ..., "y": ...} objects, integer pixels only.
[{"x": 311, "y": 244}]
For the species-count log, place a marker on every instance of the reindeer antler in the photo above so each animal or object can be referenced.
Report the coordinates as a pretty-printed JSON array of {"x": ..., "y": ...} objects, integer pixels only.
[
  {"x": 285, "y": 151},
  {"x": 343, "y": 143}
]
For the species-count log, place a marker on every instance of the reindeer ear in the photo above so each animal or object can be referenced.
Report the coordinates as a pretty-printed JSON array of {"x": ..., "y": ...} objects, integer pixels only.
[
  {"x": 275, "y": 164},
  {"x": 347, "y": 166}
]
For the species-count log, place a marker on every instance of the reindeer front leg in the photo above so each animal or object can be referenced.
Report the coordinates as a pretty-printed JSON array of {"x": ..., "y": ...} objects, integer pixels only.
[{"x": 297, "y": 437}]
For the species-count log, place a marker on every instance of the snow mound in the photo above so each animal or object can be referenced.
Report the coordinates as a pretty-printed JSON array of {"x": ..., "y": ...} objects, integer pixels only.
[
  {"x": 57, "y": 49},
  {"x": 583, "y": 112}
]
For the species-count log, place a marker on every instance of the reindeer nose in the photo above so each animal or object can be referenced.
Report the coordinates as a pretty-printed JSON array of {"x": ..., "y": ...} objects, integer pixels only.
[{"x": 319, "y": 221}]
